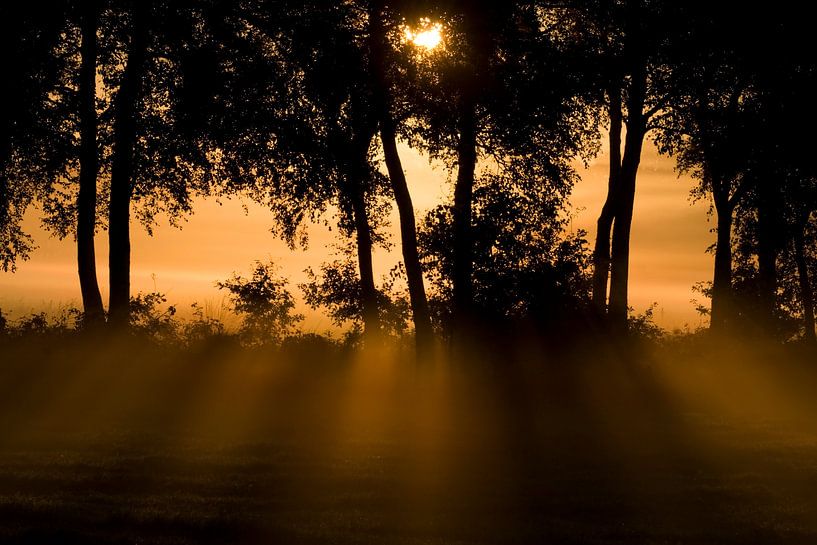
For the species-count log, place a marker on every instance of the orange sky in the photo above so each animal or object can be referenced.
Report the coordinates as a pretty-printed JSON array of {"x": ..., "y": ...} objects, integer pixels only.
[{"x": 668, "y": 242}]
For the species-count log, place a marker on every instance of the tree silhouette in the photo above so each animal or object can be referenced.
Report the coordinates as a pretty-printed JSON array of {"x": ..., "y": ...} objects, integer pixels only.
[
  {"x": 122, "y": 164},
  {"x": 727, "y": 126},
  {"x": 643, "y": 43},
  {"x": 381, "y": 23},
  {"x": 706, "y": 144},
  {"x": 157, "y": 160},
  {"x": 504, "y": 91},
  {"x": 336, "y": 289},
  {"x": 94, "y": 312},
  {"x": 800, "y": 205},
  {"x": 32, "y": 146},
  {"x": 705, "y": 129},
  {"x": 120, "y": 112},
  {"x": 312, "y": 108},
  {"x": 526, "y": 266}
]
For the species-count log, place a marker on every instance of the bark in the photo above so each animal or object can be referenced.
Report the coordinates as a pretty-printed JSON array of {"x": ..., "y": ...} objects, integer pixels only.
[
  {"x": 5, "y": 192},
  {"x": 601, "y": 251},
  {"x": 633, "y": 143},
  {"x": 722, "y": 280},
  {"x": 408, "y": 238},
  {"x": 5, "y": 157},
  {"x": 625, "y": 198},
  {"x": 806, "y": 293},
  {"x": 8, "y": 228},
  {"x": 463, "y": 196},
  {"x": 767, "y": 253},
  {"x": 89, "y": 167},
  {"x": 402, "y": 196},
  {"x": 122, "y": 169},
  {"x": 363, "y": 234}
]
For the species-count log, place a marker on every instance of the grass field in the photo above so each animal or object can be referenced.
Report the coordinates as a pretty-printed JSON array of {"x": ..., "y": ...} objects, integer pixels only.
[{"x": 138, "y": 444}]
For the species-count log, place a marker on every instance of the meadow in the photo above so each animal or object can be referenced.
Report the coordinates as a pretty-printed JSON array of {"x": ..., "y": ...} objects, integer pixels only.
[{"x": 678, "y": 442}]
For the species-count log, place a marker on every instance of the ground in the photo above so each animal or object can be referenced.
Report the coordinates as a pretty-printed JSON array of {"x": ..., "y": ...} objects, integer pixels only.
[{"x": 140, "y": 445}]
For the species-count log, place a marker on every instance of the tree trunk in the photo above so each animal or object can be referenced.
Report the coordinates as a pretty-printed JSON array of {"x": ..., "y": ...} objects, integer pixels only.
[
  {"x": 9, "y": 222},
  {"x": 601, "y": 251},
  {"x": 368, "y": 291},
  {"x": 402, "y": 196},
  {"x": 89, "y": 167},
  {"x": 6, "y": 244},
  {"x": 806, "y": 293},
  {"x": 122, "y": 169},
  {"x": 722, "y": 280},
  {"x": 463, "y": 195},
  {"x": 620, "y": 261},
  {"x": 767, "y": 253},
  {"x": 634, "y": 141},
  {"x": 408, "y": 237}
]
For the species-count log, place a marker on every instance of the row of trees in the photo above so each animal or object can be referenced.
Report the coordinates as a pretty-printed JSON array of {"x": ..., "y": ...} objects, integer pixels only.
[{"x": 123, "y": 107}]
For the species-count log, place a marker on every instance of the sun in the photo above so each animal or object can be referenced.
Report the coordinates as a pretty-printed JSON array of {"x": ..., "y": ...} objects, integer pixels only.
[{"x": 428, "y": 36}]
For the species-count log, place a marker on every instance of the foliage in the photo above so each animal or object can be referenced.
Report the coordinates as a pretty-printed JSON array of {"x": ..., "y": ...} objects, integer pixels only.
[
  {"x": 528, "y": 82},
  {"x": 525, "y": 264},
  {"x": 281, "y": 100},
  {"x": 336, "y": 288},
  {"x": 201, "y": 328},
  {"x": 34, "y": 144},
  {"x": 60, "y": 323},
  {"x": 151, "y": 318},
  {"x": 642, "y": 326},
  {"x": 264, "y": 303},
  {"x": 705, "y": 290},
  {"x": 172, "y": 162}
]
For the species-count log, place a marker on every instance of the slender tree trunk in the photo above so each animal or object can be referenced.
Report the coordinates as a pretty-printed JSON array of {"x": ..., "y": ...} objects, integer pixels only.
[
  {"x": 89, "y": 167},
  {"x": 408, "y": 237},
  {"x": 722, "y": 279},
  {"x": 402, "y": 196},
  {"x": 620, "y": 259},
  {"x": 633, "y": 142},
  {"x": 601, "y": 251},
  {"x": 463, "y": 196},
  {"x": 767, "y": 253},
  {"x": 8, "y": 246},
  {"x": 5, "y": 204},
  {"x": 806, "y": 293},
  {"x": 363, "y": 234},
  {"x": 122, "y": 169},
  {"x": 11, "y": 81},
  {"x": 7, "y": 256}
]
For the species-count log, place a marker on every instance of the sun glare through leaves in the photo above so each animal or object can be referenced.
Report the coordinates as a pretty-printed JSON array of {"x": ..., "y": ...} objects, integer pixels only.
[{"x": 426, "y": 35}]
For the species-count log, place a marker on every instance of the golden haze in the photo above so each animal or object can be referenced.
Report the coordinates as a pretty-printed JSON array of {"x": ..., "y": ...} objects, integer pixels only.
[{"x": 667, "y": 257}]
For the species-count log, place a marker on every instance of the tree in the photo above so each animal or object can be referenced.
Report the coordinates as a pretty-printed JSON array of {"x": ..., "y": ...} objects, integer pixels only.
[
  {"x": 125, "y": 129},
  {"x": 336, "y": 288},
  {"x": 526, "y": 266},
  {"x": 802, "y": 204},
  {"x": 314, "y": 113},
  {"x": 644, "y": 39},
  {"x": 731, "y": 115},
  {"x": 157, "y": 160},
  {"x": 382, "y": 83},
  {"x": 32, "y": 145},
  {"x": 705, "y": 132},
  {"x": 94, "y": 312},
  {"x": 505, "y": 90}
]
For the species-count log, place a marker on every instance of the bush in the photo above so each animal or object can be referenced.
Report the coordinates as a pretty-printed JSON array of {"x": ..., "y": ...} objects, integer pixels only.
[
  {"x": 264, "y": 303},
  {"x": 149, "y": 319}
]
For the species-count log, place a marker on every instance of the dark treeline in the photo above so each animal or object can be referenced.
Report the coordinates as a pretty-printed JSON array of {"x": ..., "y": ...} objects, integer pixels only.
[{"x": 119, "y": 111}]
